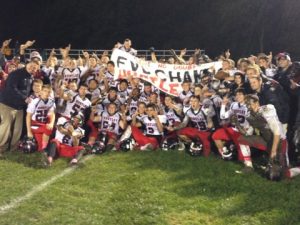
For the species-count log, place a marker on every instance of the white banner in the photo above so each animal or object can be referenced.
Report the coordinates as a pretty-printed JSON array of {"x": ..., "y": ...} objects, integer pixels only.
[{"x": 166, "y": 77}]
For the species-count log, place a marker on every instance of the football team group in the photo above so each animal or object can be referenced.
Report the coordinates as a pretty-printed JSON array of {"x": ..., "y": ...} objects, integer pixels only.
[{"x": 69, "y": 107}]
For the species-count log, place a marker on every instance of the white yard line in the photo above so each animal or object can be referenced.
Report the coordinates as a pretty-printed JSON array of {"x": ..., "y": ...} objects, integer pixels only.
[{"x": 36, "y": 189}]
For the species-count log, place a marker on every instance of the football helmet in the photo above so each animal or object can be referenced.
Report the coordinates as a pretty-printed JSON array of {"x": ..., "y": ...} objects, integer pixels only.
[
  {"x": 274, "y": 171},
  {"x": 28, "y": 145},
  {"x": 169, "y": 144},
  {"x": 77, "y": 119},
  {"x": 229, "y": 150},
  {"x": 98, "y": 148},
  {"x": 127, "y": 145},
  {"x": 196, "y": 148}
]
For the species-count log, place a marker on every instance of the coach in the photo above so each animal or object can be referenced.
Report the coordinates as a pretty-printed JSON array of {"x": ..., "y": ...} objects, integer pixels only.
[{"x": 13, "y": 98}]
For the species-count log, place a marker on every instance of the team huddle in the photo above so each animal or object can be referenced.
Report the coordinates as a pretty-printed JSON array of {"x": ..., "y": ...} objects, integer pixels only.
[{"x": 76, "y": 107}]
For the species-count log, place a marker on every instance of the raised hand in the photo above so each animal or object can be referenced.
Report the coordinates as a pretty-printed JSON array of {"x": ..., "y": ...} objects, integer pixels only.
[{"x": 6, "y": 43}]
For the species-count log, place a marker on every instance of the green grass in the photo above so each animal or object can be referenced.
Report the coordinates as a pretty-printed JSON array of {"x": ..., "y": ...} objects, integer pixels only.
[{"x": 146, "y": 188}]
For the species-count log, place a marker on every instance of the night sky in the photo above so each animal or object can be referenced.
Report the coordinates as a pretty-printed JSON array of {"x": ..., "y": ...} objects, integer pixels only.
[{"x": 243, "y": 26}]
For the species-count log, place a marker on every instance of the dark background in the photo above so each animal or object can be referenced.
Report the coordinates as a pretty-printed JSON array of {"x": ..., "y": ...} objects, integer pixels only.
[{"x": 243, "y": 26}]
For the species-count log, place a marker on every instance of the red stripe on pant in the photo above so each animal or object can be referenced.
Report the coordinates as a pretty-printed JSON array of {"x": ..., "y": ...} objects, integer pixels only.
[
  {"x": 195, "y": 133},
  {"x": 228, "y": 134},
  {"x": 66, "y": 150},
  {"x": 142, "y": 139}
]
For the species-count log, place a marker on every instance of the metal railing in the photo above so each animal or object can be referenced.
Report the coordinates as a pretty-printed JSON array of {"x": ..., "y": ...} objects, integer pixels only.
[{"x": 75, "y": 53}]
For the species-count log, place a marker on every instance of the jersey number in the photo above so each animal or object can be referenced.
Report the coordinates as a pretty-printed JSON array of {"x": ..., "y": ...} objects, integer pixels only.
[{"x": 41, "y": 116}]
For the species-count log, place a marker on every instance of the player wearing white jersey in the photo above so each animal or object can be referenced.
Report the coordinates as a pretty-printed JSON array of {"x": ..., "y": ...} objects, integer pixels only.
[
  {"x": 73, "y": 72},
  {"x": 111, "y": 122},
  {"x": 200, "y": 123},
  {"x": 76, "y": 103},
  {"x": 153, "y": 129},
  {"x": 237, "y": 111},
  {"x": 40, "y": 117},
  {"x": 186, "y": 93},
  {"x": 67, "y": 139},
  {"x": 94, "y": 92},
  {"x": 272, "y": 137}
]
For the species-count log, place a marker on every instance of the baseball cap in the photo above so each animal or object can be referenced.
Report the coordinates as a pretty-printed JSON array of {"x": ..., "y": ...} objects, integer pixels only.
[
  {"x": 283, "y": 55},
  {"x": 35, "y": 55}
]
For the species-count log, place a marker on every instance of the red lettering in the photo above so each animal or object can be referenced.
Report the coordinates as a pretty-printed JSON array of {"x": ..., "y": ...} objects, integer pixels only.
[
  {"x": 161, "y": 86},
  {"x": 153, "y": 79},
  {"x": 173, "y": 89}
]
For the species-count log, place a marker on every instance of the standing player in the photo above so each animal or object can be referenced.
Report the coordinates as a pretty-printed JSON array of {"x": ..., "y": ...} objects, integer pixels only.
[{"x": 40, "y": 117}]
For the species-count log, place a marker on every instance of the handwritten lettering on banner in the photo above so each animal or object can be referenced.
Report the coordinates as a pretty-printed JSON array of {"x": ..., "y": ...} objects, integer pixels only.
[{"x": 166, "y": 77}]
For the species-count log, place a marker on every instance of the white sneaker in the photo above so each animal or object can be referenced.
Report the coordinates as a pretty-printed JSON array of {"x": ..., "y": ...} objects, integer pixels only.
[{"x": 74, "y": 161}]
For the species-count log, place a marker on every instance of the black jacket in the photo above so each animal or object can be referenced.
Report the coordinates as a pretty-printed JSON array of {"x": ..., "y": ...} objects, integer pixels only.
[
  {"x": 17, "y": 89},
  {"x": 276, "y": 96}
]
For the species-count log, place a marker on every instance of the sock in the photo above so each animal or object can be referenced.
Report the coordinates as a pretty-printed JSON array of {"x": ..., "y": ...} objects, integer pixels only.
[
  {"x": 44, "y": 144},
  {"x": 248, "y": 163},
  {"x": 293, "y": 172}
]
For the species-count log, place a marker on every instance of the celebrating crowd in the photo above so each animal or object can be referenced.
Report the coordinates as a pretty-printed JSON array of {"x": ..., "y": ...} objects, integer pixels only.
[{"x": 70, "y": 107}]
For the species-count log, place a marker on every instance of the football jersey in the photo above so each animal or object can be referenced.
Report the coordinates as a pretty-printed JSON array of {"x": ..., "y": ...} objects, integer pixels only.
[
  {"x": 171, "y": 115},
  {"x": 236, "y": 109},
  {"x": 183, "y": 96},
  {"x": 70, "y": 75},
  {"x": 50, "y": 73},
  {"x": 62, "y": 138},
  {"x": 40, "y": 109},
  {"x": 94, "y": 74},
  {"x": 144, "y": 97},
  {"x": 110, "y": 122},
  {"x": 271, "y": 117},
  {"x": 95, "y": 94},
  {"x": 198, "y": 119},
  {"x": 132, "y": 106},
  {"x": 77, "y": 104},
  {"x": 123, "y": 96},
  {"x": 151, "y": 128},
  {"x": 106, "y": 101},
  {"x": 110, "y": 78}
]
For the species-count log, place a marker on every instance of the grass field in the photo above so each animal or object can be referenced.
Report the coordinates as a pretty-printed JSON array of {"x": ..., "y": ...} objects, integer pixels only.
[{"x": 144, "y": 188}]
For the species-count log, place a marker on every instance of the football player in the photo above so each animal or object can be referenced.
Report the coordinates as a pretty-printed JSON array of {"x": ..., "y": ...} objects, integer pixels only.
[
  {"x": 40, "y": 117},
  {"x": 199, "y": 126},
  {"x": 67, "y": 140}
]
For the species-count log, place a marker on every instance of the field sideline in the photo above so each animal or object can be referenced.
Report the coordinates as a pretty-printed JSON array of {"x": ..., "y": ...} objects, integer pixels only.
[{"x": 143, "y": 188}]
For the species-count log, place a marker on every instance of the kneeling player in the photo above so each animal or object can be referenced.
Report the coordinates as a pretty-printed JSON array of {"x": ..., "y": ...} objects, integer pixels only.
[
  {"x": 66, "y": 141},
  {"x": 152, "y": 126},
  {"x": 111, "y": 122},
  {"x": 198, "y": 130},
  {"x": 271, "y": 138},
  {"x": 237, "y": 111},
  {"x": 40, "y": 117}
]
